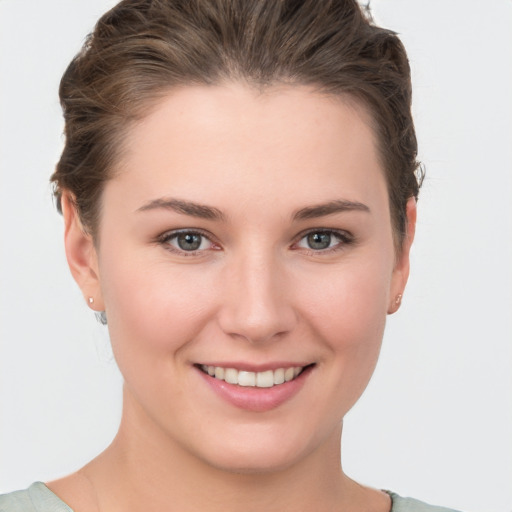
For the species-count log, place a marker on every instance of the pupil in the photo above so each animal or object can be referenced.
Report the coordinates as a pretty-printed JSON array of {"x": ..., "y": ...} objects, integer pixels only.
[
  {"x": 189, "y": 241},
  {"x": 319, "y": 240}
]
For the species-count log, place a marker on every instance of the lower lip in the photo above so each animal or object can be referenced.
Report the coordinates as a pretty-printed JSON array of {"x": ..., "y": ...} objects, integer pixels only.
[{"x": 253, "y": 398}]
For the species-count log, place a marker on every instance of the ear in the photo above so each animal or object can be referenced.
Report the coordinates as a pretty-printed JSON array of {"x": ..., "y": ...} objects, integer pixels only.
[
  {"x": 402, "y": 263},
  {"x": 81, "y": 255}
]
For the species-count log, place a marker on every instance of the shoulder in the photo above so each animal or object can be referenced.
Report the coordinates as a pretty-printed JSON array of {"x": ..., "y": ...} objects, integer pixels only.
[
  {"x": 411, "y": 505},
  {"x": 37, "y": 498}
]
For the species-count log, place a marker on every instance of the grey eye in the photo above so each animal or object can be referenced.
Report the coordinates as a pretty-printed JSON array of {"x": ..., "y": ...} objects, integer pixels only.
[
  {"x": 324, "y": 240},
  {"x": 319, "y": 240},
  {"x": 189, "y": 241}
]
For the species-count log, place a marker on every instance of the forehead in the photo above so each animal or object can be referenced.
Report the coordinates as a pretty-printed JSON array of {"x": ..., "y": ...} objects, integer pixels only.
[{"x": 210, "y": 142}]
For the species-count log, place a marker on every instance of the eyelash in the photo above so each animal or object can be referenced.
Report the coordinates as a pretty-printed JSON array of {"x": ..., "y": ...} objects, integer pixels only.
[
  {"x": 170, "y": 235},
  {"x": 344, "y": 239}
]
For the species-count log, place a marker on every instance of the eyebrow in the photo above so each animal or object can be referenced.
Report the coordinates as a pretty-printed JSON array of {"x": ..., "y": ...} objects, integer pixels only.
[
  {"x": 329, "y": 208},
  {"x": 211, "y": 213},
  {"x": 186, "y": 207}
]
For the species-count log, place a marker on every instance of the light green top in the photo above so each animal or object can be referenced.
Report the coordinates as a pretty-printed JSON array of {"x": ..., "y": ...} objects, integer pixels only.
[{"x": 38, "y": 498}]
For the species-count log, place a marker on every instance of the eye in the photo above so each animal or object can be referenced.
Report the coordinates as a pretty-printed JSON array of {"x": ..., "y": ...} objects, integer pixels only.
[
  {"x": 186, "y": 241},
  {"x": 324, "y": 240}
]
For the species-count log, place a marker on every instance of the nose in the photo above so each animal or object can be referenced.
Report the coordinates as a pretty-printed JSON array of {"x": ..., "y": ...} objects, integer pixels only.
[{"x": 256, "y": 300}]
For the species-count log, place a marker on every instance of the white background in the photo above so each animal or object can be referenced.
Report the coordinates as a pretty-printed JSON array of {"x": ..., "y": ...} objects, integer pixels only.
[{"x": 436, "y": 420}]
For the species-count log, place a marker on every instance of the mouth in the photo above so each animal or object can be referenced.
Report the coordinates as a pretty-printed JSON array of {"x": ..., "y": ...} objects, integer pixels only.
[
  {"x": 255, "y": 391},
  {"x": 263, "y": 379}
]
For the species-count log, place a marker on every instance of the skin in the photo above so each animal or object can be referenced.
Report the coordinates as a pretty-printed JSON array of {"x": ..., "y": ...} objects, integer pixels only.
[{"x": 255, "y": 292}]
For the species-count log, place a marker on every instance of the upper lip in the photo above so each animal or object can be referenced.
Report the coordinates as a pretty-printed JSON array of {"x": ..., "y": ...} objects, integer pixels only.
[{"x": 251, "y": 367}]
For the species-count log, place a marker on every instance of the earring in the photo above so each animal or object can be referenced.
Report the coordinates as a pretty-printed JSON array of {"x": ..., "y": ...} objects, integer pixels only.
[
  {"x": 398, "y": 299},
  {"x": 91, "y": 300}
]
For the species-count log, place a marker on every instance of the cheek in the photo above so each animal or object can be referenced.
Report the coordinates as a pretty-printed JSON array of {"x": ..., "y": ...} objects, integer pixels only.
[
  {"x": 348, "y": 314},
  {"x": 349, "y": 304},
  {"x": 152, "y": 308}
]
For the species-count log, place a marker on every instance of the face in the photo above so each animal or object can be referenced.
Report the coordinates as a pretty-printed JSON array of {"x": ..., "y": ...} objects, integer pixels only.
[{"x": 245, "y": 241}]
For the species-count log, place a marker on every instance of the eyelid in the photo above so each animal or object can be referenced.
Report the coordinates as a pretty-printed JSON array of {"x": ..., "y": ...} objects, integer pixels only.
[
  {"x": 345, "y": 239},
  {"x": 165, "y": 237}
]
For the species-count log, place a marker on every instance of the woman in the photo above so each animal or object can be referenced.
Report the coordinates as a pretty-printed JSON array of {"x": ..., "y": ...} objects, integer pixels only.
[{"x": 239, "y": 188}]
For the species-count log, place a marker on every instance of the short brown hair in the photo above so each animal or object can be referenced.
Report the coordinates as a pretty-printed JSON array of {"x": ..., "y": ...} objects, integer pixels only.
[{"x": 142, "y": 48}]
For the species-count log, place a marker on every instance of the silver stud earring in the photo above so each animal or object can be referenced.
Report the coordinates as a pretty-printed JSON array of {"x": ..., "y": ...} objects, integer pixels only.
[
  {"x": 91, "y": 300},
  {"x": 398, "y": 299}
]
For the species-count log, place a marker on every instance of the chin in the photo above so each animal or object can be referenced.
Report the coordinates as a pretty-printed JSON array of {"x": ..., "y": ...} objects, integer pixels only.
[
  {"x": 256, "y": 453},
  {"x": 259, "y": 462}
]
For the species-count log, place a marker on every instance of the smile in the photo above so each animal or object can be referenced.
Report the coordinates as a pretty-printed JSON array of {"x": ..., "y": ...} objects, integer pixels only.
[{"x": 265, "y": 379}]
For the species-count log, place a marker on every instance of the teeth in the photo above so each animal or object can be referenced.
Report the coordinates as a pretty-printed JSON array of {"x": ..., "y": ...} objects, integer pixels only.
[
  {"x": 230, "y": 376},
  {"x": 266, "y": 379},
  {"x": 246, "y": 379},
  {"x": 279, "y": 376}
]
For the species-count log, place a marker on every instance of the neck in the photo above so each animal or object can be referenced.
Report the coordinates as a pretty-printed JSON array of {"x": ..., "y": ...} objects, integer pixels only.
[{"x": 143, "y": 469}]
